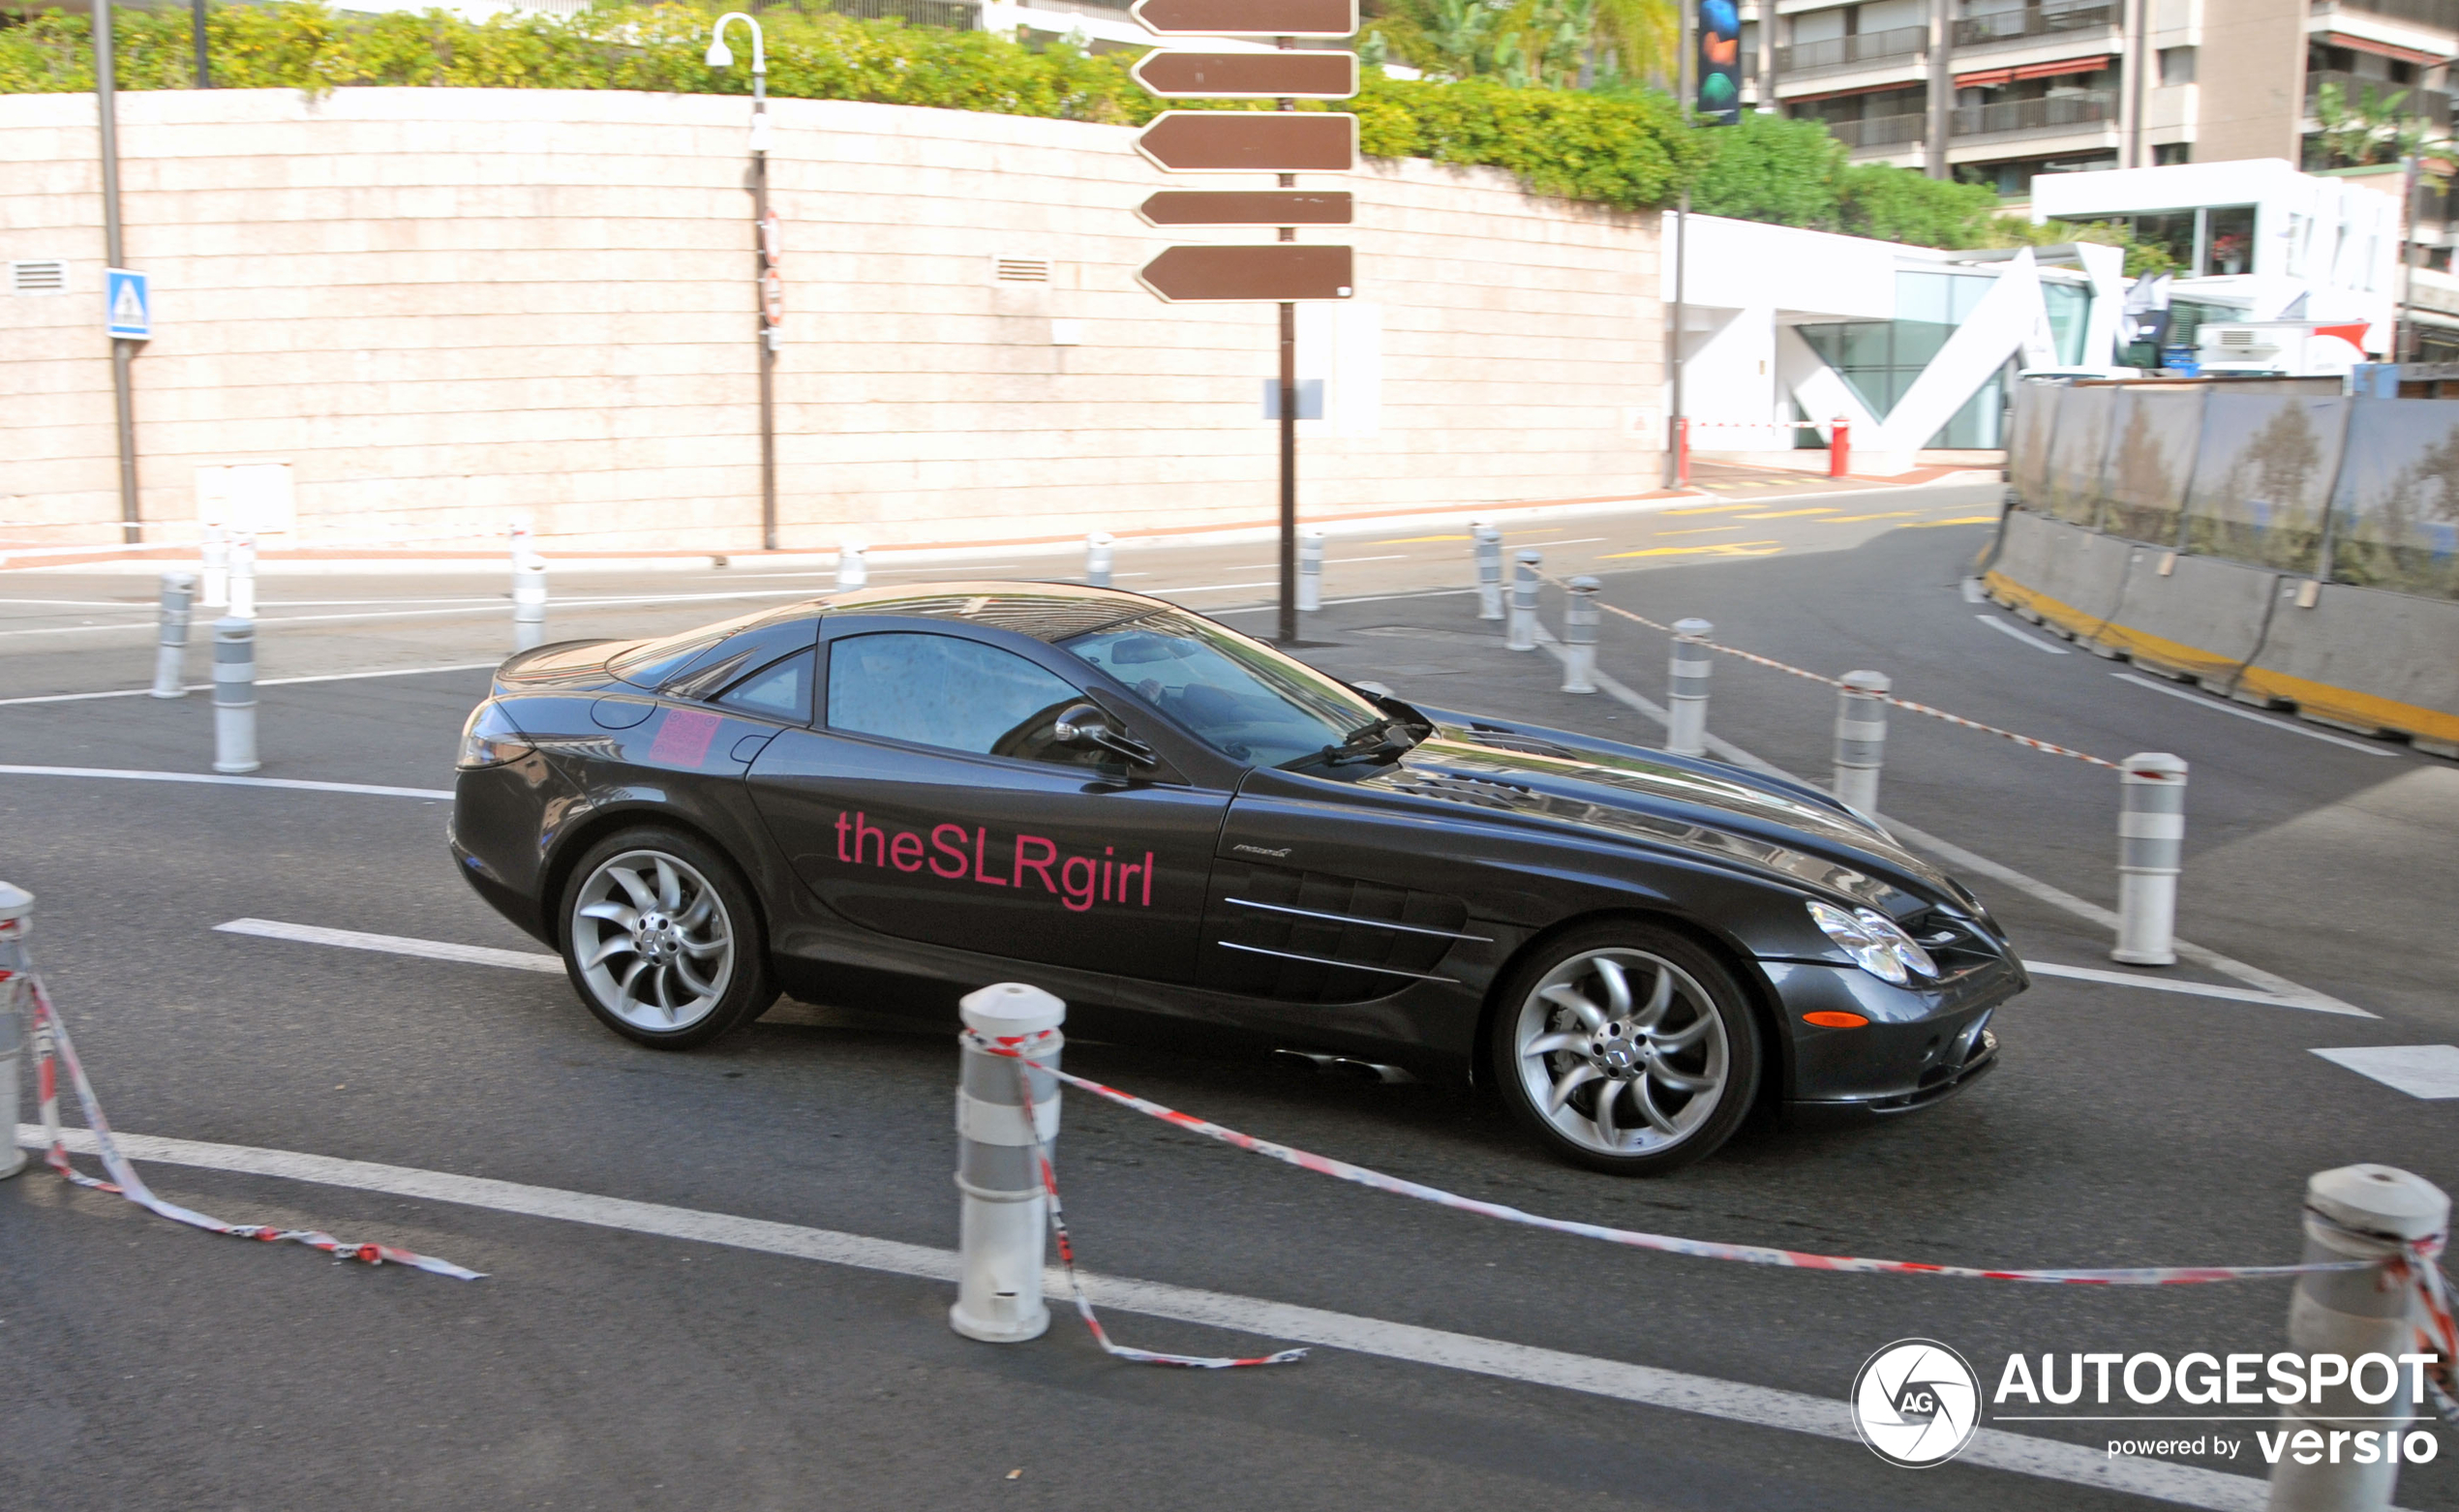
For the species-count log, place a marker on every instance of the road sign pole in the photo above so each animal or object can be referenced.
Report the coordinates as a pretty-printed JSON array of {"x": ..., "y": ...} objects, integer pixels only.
[
  {"x": 768, "y": 342},
  {"x": 123, "y": 406},
  {"x": 1289, "y": 473}
]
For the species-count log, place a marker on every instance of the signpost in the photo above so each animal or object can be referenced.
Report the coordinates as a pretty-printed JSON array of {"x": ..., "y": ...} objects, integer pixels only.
[
  {"x": 1286, "y": 143},
  {"x": 128, "y": 305}
]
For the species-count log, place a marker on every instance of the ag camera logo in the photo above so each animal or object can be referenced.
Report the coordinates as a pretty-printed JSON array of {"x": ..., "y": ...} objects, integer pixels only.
[{"x": 1915, "y": 1403}]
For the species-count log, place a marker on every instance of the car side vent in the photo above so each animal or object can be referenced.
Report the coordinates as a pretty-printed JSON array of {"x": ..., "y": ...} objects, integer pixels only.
[
  {"x": 1526, "y": 745},
  {"x": 1010, "y": 269},
  {"x": 1309, "y": 937},
  {"x": 49, "y": 277},
  {"x": 1483, "y": 792}
]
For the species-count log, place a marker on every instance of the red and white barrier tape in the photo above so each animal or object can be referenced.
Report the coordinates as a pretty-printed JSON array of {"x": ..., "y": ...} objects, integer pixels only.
[
  {"x": 1900, "y": 703},
  {"x": 53, "y": 1049},
  {"x": 2415, "y": 1266}
]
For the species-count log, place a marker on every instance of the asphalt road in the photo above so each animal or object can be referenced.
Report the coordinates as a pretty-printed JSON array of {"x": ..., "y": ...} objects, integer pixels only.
[{"x": 154, "y": 1366}]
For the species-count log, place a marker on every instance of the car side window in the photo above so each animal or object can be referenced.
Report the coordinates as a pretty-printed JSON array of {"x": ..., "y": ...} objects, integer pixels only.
[
  {"x": 942, "y": 690},
  {"x": 780, "y": 690}
]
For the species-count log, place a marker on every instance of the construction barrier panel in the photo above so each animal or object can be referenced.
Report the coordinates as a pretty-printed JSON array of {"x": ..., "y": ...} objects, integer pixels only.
[
  {"x": 2262, "y": 479},
  {"x": 2367, "y": 660},
  {"x": 2063, "y": 575},
  {"x": 2395, "y": 517},
  {"x": 2199, "y": 617},
  {"x": 2151, "y": 456}
]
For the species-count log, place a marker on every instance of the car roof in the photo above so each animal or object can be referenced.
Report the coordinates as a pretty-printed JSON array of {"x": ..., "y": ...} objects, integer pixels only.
[{"x": 1050, "y": 612}]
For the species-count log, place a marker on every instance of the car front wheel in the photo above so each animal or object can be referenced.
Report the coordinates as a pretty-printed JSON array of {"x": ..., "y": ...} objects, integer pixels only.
[
  {"x": 1629, "y": 1048},
  {"x": 663, "y": 941}
]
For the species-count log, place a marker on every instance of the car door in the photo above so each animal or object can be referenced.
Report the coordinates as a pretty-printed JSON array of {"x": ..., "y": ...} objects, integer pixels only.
[{"x": 931, "y": 805}]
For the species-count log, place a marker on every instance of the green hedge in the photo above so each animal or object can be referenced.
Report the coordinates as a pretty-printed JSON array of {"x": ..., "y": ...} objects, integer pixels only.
[{"x": 1625, "y": 150}]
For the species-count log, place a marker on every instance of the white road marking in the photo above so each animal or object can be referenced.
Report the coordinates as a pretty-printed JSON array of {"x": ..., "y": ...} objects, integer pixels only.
[
  {"x": 1212, "y": 588},
  {"x": 218, "y": 780},
  {"x": 1706, "y": 1396},
  {"x": 2421, "y": 1070},
  {"x": 1371, "y": 598},
  {"x": 2288, "y": 726},
  {"x": 501, "y": 606},
  {"x": 2033, "y": 641},
  {"x": 2279, "y": 989},
  {"x": 2130, "y": 978},
  {"x": 207, "y": 687},
  {"x": 397, "y": 945}
]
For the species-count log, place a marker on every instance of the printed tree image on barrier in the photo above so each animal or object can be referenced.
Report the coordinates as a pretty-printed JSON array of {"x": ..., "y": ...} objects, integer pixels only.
[
  {"x": 2396, "y": 520},
  {"x": 2263, "y": 482},
  {"x": 2145, "y": 492}
]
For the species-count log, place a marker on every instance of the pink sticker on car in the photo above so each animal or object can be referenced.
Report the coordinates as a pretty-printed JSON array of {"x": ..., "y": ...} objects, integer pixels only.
[{"x": 683, "y": 738}]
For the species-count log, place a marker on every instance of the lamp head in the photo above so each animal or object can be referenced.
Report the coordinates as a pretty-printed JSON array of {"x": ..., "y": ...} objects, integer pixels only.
[{"x": 720, "y": 55}]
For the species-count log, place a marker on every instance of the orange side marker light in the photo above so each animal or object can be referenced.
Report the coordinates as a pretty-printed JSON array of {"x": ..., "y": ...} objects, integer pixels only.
[{"x": 1826, "y": 1020}]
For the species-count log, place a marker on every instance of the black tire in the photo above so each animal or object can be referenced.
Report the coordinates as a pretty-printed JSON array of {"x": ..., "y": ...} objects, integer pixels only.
[
  {"x": 1686, "y": 1077},
  {"x": 667, "y": 986}
]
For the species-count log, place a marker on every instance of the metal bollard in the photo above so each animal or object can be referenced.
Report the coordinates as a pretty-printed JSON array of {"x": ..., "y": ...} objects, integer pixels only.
[
  {"x": 1687, "y": 690},
  {"x": 2356, "y": 1213},
  {"x": 243, "y": 576},
  {"x": 1579, "y": 637},
  {"x": 234, "y": 695},
  {"x": 1522, "y": 635},
  {"x": 1098, "y": 556},
  {"x": 180, "y": 589},
  {"x": 2151, "y": 843},
  {"x": 1310, "y": 570},
  {"x": 852, "y": 569},
  {"x": 1006, "y": 1219},
  {"x": 215, "y": 568},
  {"x": 1861, "y": 738},
  {"x": 17, "y": 916},
  {"x": 529, "y": 601},
  {"x": 1488, "y": 552}
]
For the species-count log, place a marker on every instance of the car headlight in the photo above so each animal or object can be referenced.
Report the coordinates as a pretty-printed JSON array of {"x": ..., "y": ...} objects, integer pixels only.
[
  {"x": 490, "y": 739},
  {"x": 1876, "y": 942}
]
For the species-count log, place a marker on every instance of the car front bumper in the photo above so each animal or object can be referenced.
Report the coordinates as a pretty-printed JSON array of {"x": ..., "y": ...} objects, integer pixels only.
[{"x": 1917, "y": 1048}]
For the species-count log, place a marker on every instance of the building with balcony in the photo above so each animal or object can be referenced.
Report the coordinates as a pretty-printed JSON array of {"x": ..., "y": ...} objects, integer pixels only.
[{"x": 2000, "y": 92}]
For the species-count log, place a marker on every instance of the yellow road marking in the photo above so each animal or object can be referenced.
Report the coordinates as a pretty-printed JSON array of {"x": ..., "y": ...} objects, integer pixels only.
[
  {"x": 1959, "y": 520},
  {"x": 1720, "y": 549},
  {"x": 1900, "y": 514},
  {"x": 1790, "y": 514},
  {"x": 1707, "y": 509},
  {"x": 1701, "y": 530}
]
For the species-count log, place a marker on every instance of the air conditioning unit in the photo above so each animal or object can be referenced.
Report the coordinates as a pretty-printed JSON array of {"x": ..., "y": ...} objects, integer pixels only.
[{"x": 2299, "y": 348}]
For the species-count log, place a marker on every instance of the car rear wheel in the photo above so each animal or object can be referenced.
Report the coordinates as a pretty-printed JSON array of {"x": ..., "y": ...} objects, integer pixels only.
[
  {"x": 662, "y": 940},
  {"x": 1629, "y": 1048}
]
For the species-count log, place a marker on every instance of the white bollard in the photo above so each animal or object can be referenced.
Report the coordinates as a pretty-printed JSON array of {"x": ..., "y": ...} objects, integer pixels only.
[
  {"x": 1861, "y": 738},
  {"x": 852, "y": 570},
  {"x": 215, "y": 568},
  {"x": 2151, "y": 846},
  {"x": 1310, "y": 570},
  {"x": 243, "y": 576},
  {"x": 1522, "y": 634},
  {"x": 2356, "y": 1213},
  {"x": 180, "y": 589},
  {"x": 234, "y": 695},
  {"x": 1687, "y": 690},
  {"x": 1488, "y": 552},
  {"x": 17, "y": 916},
  {"x": 1579, "y": 637},
  {"x": 1006, "y": 1219},
  {"x": 529, "y": 601},
  {"x": 1100, "y": 552}
]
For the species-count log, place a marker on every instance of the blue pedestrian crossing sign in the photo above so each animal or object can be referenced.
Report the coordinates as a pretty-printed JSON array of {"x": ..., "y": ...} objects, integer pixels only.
[{"x": 128, "y": 305}]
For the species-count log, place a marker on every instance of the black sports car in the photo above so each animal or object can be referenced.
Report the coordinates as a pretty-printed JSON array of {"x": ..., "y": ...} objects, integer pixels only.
[{"x": 1189, "y": 836}]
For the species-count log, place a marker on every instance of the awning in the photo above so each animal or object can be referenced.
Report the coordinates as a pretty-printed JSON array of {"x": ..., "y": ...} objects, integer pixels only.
[
  {"x": 1990, "y": 78},
  {"x": 2382, "y": 50}
]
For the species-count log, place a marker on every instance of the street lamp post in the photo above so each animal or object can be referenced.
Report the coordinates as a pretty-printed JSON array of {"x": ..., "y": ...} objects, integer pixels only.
[{"x": 767, "y": 277}]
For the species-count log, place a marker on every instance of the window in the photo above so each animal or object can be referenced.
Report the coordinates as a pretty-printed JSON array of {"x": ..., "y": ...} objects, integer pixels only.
[
  {"x": 2176, "y": 65},
  {"x": 697, "y": 663},
  {"x": 939, "y": 690},
  {"x": 780, "y": 690},
  {"x": 2169, "y": 154},
  {"x": 1241, "y": 696}
]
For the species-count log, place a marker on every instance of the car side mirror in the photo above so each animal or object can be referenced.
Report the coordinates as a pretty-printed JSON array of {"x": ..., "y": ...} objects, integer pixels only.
[{"x": 1084, "y": 727}]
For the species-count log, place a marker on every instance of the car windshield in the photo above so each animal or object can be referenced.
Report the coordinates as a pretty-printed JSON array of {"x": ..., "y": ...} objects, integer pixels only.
[{"x": 1241, "y": 696}]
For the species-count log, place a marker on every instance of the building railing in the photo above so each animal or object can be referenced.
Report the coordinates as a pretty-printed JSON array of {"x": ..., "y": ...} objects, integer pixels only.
[
  {"x": 2439, "y": 15},
  {"x": 1977, "y": 31},
  {"x": 1899, "y": 42},
  {"x": 1878, "y": 131},
  {"x": 2431, "y": 103},
  {"x": 2026, "y": 115}
]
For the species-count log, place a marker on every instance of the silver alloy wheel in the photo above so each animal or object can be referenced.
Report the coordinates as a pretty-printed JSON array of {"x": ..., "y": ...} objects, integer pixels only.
[
  {"x": 652, "y": 939},
  {"x": 1622, "y": 1051}
]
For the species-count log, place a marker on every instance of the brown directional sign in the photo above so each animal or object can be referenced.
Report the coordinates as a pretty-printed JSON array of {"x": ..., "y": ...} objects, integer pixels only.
[
  {"x": 1247, "y": 17},
  {"x": 1248, "y": 75},
  {"x": 1251, "y": 142},
  {"x": 1277, "y": 271},
  {"x": 1237, "y": 207}
]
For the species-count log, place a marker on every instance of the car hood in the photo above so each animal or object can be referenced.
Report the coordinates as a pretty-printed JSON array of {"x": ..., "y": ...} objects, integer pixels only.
[{"x": 1727, "y": 813}]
